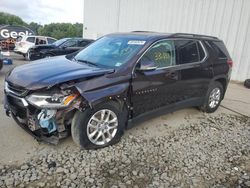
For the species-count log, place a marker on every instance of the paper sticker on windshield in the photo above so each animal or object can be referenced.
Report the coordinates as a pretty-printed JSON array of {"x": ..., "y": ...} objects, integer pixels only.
[
  {"x": 137, "y": 42},
  {"x": 118, "y": 64}
]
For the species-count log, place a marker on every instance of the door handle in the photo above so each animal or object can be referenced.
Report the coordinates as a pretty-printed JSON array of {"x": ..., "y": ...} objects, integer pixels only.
[{"x": 172, "y": 75}]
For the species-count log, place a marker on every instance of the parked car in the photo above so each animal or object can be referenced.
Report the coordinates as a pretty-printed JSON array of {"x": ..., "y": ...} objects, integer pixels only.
[
  {"x": 100, "y": 91},
  {"x": 61, "y": 47},
  {"x": 24, "y": 43}
]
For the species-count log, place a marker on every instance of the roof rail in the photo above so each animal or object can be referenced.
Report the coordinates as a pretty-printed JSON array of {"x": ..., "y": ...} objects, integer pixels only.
[
  {"x": 143, "y": 31},
  {"x": 192, "y": 35}
]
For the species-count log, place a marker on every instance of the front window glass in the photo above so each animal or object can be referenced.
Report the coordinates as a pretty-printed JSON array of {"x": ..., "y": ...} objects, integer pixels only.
[
  {"x": 161, "y": 55},
  {"x": 111, "y": 51}
]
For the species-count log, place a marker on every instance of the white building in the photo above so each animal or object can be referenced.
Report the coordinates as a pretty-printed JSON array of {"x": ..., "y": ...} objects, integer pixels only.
[{"x": 227, "y": 19}]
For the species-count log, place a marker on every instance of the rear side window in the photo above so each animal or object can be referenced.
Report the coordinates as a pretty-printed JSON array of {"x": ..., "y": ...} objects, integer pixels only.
[
  {"x": 220, "y": 49},
  {"x": 187, "y": 51},
  {"x": 40, "y": 41},
  {"x": 31, "y": 39}
]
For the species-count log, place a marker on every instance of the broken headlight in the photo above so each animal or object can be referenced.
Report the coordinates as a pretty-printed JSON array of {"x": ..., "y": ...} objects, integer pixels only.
[{"x": 57, "y": 100}]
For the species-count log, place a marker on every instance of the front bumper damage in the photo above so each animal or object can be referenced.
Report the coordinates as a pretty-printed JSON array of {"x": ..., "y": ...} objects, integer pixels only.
[{"x": 45, "y": 125}]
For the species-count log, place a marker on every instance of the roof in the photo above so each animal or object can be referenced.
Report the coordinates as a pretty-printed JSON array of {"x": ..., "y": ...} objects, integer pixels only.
[{"x": 146, "y": 35}]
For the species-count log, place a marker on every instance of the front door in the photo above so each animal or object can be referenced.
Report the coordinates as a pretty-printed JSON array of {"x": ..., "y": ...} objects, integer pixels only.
[{"x": 154, "y": 79}]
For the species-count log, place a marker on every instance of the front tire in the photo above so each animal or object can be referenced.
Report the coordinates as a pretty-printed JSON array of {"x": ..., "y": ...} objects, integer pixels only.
[
  {"x": 99, "y": 127},
  {"x": 27, "y": 56},
  {"x": 213, "y": 98}
]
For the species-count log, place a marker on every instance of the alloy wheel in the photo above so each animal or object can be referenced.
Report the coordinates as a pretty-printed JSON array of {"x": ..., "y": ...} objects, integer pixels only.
[
  {"x": 214, "y": 98},
  {"x": 102, "y": 127}
]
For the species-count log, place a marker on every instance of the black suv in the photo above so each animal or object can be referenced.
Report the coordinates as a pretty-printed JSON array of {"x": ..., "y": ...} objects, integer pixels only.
[
  {"x": 60, "y": 47},
  {"x": 100, "y": 91}
]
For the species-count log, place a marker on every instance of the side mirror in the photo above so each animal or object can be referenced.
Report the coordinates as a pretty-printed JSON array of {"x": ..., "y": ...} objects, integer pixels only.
[{"x": 146, "y": 65}]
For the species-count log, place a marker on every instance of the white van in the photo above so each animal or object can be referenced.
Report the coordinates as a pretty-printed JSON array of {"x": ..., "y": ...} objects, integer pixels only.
[{"x": 24, "y": 43}]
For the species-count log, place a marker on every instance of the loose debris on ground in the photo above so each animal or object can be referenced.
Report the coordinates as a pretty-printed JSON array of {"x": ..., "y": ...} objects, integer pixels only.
[{"x": 214, "y": 152}]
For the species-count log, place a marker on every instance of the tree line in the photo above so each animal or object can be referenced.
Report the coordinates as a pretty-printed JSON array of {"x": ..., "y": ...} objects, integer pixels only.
[{"x": 55, "y": 30}]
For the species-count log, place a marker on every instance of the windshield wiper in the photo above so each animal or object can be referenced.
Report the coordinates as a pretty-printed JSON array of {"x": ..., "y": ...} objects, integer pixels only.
[{"x": 85, "y": 61}]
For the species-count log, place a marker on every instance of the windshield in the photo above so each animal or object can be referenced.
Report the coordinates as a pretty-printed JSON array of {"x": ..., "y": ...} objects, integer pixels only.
[
  {"x": 110, "y": 51},
  {"x": 59, "y": 42}
]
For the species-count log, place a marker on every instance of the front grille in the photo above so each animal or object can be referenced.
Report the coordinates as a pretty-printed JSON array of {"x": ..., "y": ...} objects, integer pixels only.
[
  {"x": 15, "y": 101},
  {"x": 16, "y": 106},
  {"x": 16, "y": 90}
]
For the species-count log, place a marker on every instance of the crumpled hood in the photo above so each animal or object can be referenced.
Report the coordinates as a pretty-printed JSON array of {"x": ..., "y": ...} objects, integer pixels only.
[{"x": 51, "y": 71}]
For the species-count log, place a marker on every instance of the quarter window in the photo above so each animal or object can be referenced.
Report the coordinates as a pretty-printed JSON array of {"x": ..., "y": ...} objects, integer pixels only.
[
  {"x": 219, "y": 49},
  {"x": 161, "y": 55}
]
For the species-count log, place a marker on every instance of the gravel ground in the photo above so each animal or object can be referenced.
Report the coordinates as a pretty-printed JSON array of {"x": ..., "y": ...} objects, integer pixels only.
[{"x": 213, "y": 152}]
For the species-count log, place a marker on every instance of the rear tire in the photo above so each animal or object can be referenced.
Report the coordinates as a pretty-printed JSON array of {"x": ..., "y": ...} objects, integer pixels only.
[
  {"x": 213, "y": 98},
  {"x": 247, "y": 83},
  {"x": 85, "y": 124}
]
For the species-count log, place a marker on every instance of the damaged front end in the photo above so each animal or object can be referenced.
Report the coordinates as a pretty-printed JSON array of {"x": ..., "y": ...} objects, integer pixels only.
[{"x": 46, "y": 114}]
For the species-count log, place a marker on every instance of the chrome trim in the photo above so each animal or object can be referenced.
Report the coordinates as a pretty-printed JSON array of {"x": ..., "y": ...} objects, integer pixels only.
[
  {"x": 7, "y": 90},
  {"x": 25, "y": 103},
  {"x": 173, "y": 66}
]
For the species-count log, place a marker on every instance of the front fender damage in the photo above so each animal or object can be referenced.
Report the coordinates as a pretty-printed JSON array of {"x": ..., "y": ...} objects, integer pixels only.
[
  {"x": 55, "y": 124},
  {"x": 102, "y": 89}
]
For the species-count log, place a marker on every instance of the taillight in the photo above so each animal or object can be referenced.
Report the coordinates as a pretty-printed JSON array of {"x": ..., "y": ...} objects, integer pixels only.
[{"x": 230, "y": 63}]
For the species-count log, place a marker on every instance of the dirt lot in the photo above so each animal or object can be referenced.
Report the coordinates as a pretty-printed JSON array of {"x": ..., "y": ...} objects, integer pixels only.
[{"x": 186, "y": 148}]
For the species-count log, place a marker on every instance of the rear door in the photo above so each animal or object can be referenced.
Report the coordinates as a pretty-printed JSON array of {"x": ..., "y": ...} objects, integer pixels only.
[
  {"x": 155, "y": 88},
  {"x": 195, "y": 68}
]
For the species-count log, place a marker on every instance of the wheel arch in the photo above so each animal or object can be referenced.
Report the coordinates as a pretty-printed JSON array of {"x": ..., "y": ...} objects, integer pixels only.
[{"x": 223, "y": 81}]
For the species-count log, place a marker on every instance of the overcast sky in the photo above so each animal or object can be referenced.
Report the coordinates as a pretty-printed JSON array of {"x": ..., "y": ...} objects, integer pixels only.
[{"x": 45, "y": 11}]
